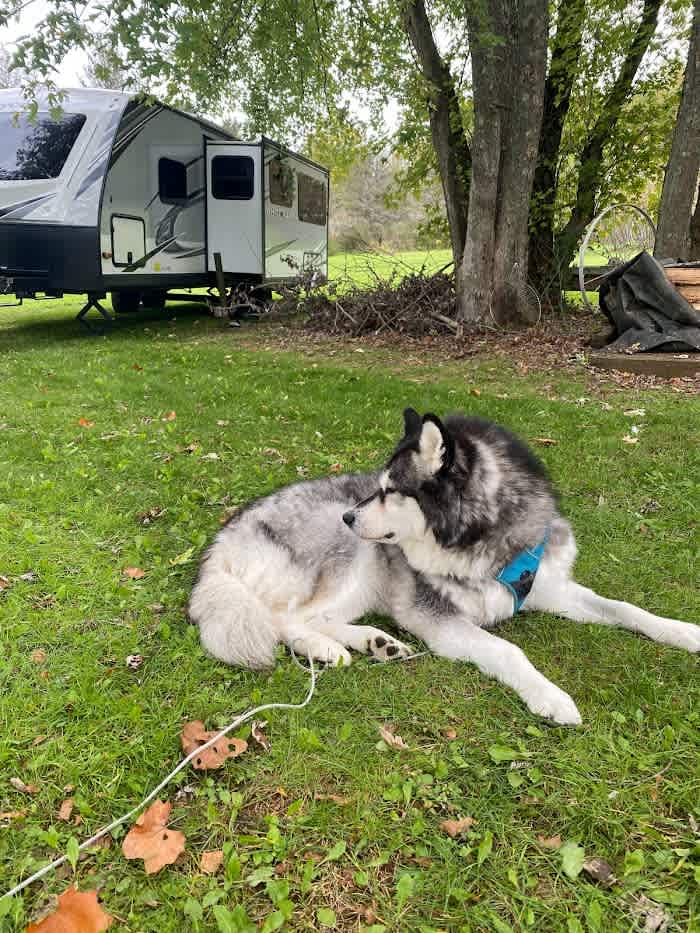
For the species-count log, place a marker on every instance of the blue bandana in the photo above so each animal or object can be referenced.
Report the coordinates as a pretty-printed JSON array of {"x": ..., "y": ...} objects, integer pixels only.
[{"x": 519, "y": 575}]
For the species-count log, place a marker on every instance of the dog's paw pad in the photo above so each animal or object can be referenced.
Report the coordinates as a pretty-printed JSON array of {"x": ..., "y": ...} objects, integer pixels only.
[{"x": 385, "y": 648}]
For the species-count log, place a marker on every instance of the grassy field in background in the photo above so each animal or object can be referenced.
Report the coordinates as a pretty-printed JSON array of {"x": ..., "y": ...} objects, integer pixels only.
[{"x": 330, "y": 829}]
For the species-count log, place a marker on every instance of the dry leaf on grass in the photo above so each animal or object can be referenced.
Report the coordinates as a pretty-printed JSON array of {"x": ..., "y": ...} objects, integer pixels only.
[
  {"x": 449, "y": 734},
  {"x": 455, "y": 827},
  {"x": 390, "y": 738},
  {"x": 85, "y": 423},
  {"x": 38, "y": 656},
  {"x": 194, "y": 734},
  {"x": 134, "y": 573},
  {"x": 598, "y": 869},
  {"x": 151, "y": 840},
  {"x": 257, "y": 733},
  {"x": 210, "y": 862},
  {"x": 23, "y": 788},
  {"x": 4, "y": 582},
  {"x": 39, "y": 739},
  {"x": 549, "y": 842},
  {"x": 150, "y": 515},
  {"x": 77, "y": 912},
  {"x": 171, "y": 416},
  {"x": 335, "y": 798},
  {"x": 66, "y": 809},
  {"x": 628, "y": 439},
  {"x": 9, "y": 815},
  {"x": 545, "y": 441}
]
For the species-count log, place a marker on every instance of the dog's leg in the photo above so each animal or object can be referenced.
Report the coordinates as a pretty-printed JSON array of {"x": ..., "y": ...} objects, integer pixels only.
[
  {"x": 457, "y": 638},
  {"x": 308, "y": 642},
  {"x": 573, "y": 601},
  {"x": 365, "y": 638}
]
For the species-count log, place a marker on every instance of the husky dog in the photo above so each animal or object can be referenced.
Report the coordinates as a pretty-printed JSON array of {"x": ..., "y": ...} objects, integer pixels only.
[{"x": 458, "y": 531}]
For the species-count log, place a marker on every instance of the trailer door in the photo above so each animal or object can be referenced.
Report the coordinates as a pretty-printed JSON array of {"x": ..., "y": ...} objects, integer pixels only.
[{"x": 234, "y": 206}]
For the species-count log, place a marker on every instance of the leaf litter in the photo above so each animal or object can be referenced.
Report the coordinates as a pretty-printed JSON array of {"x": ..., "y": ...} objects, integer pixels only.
[
  {"x": 194, "y": 734},
  {"x": 77, "y": 912},
  {"x": 150, "y": 839}
]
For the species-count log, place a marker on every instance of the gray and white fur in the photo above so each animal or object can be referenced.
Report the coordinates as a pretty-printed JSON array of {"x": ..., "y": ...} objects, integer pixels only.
[{"x": 421, "y": 541}]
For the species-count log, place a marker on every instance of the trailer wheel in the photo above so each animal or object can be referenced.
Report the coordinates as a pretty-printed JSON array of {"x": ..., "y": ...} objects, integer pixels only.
[
  {"x": 125, "y": 302},
  {"x": 155, "y": 301}
]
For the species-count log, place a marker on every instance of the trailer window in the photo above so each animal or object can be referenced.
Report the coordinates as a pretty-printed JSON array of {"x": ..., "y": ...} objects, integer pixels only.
[
  {"x": 232, "y": 178},
  {"x": 312, "y": 200},
  {"x": 281, "y": 180},
  {"x": 37, "y": 149},
  {"x": 172, "y": 181}
]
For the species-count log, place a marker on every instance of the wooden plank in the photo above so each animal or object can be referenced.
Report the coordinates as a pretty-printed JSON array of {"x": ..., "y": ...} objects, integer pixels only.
[
  {"x": 667, "y": 365},
  {"x": 683, "y": 275},
  {"x": 691, "y": 293}
]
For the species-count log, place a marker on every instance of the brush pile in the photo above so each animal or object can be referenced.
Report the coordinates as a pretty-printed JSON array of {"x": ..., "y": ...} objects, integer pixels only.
[{"x": 414, "y": 305}]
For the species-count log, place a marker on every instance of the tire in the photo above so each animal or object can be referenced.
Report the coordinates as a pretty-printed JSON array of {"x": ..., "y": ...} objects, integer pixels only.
[
  {"x": 125, "y": 302},
  {"x": 155, "y": 301}
]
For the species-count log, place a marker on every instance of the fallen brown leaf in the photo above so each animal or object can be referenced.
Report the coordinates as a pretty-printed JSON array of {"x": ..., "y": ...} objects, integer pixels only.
[
  {"x": 449, "y": 734},
  {"x": 549, "y": 842},
  {"x": 194, "y": 734},
  {"x": 598, "y": 869},
  {"x": 77, "y": 912},
  {"x": 38, "y": 656},
  {"x": 150, "y": 515},
  {"x": 257, "y": 733},
  {"x": 545, "y": 441},
  {"x": 151, "y": 840},
  {"x": 457, "y": 827},
  {"x": 171, "y": 416},
  {"x": 391, "y": 739},
  {"x": 4, "y": 583},
  {"x": 23, "y": 788},
  {"x": 39, "y": 739},
  {"x": 336, "y": 798},
  {"x": 9, "y": 815},
  {"x": 84, "y": 423},
  {"x": 134, "y": 573},
  {"x": 66, "y": 809},
  {"x": 210, "y": 862}
]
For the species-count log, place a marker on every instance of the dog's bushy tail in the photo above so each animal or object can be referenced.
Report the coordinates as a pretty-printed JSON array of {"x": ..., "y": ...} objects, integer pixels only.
[{"x": 234, "y": 625}]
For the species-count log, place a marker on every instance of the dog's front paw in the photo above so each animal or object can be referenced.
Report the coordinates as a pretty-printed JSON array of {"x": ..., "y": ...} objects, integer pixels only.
[
  {"x": 681, "y": 635},
  {"x": 385, "y": 648},
  {"x": 554, "y": 704}
]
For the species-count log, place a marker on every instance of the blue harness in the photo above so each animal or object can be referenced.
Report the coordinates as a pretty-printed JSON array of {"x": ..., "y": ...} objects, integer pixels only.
[{"x": 519, "y": 575}]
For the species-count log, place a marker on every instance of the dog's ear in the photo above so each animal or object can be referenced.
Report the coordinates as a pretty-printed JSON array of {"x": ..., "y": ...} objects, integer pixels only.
[
  {"x": 411, "y": 422},
  {"x": 435, "y": 445}
]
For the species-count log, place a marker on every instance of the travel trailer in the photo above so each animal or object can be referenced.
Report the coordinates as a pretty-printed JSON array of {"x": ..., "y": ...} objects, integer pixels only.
[{"x": 123, "y": 195}]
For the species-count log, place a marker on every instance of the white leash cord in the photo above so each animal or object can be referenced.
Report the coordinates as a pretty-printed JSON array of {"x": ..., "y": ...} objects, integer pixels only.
[{"x": 185, "y": 761}]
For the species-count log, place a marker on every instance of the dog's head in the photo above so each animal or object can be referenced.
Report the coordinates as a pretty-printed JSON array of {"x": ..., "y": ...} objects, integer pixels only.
[{"x": 395, "y": 511}]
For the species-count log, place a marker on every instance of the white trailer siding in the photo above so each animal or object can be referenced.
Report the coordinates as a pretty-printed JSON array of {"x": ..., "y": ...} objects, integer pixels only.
[{"x": 296, "y": 214}]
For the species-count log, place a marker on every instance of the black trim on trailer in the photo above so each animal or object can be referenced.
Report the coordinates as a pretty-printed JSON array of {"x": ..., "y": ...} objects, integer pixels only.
[{"x": 60, "y": 256}]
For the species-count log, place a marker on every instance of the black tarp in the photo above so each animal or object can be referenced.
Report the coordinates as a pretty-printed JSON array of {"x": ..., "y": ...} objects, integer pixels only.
[{"x": 646, "y": 310}]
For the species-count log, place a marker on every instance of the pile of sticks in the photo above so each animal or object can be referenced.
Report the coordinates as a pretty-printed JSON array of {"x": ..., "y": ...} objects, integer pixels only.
[{"x": 416, "y": 305}]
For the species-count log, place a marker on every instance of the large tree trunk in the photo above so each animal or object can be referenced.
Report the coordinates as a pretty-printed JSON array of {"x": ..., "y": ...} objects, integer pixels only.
[
  {"x": 446, "y": 127},
  {"x": 508, "y": 41},
  {"x": 695, "y": 230},
  {"x": 544, "y": 272},
  {"x": 591, "y": 170},
  {"x": 673, "y": 237}
]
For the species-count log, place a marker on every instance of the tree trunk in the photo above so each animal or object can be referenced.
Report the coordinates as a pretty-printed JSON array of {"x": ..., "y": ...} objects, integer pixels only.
[
  {"x": 695, "y": 230},
  {"x": 590, "y": 172},
  {"x": 673, "y": 237},
  {"x": 563, "y": 69},
  {"x": 508, "y": 42},
  {"x": 446, "y": 127}
]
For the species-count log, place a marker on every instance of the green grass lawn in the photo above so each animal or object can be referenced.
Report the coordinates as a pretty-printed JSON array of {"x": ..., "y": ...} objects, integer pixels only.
[{"x": 75, "y": 721}]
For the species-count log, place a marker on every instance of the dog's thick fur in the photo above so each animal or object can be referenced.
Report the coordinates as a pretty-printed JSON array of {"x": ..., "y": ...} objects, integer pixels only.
[{"x": 422, "y": 541}]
